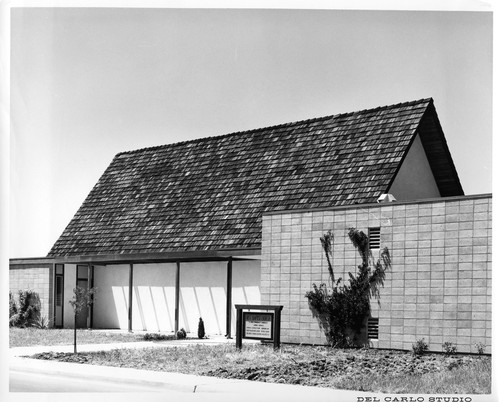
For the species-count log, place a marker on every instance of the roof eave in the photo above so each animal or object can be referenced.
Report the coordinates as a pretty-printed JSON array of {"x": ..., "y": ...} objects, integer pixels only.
[
  {"x": 169, "y": 256},
  {"x": 438, "y": 154}
]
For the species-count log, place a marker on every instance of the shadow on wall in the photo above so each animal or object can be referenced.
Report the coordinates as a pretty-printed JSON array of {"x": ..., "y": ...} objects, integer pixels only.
[
  {"x": 153, "y": 308},
  {"x": 202, "y": 294},
  {"x": 111, "y": 302}
]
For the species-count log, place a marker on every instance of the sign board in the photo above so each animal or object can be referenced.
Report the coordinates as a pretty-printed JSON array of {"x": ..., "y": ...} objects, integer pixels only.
[
  {"x": 258, "y": 325},
  {"x": 263, "y": 326}
]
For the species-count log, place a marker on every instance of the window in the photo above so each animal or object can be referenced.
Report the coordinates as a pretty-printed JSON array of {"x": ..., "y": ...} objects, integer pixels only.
[
  {"x": 372, "y": 328},
  {"x": 83, "y": 272},
  {"x": 374, "y": 238},
  {"x": 59, "y": 290}
]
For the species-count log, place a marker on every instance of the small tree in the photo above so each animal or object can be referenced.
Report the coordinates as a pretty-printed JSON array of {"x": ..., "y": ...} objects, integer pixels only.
[
  {"x": 81, "y": 298},
  {"x": 342, "y": 310}
]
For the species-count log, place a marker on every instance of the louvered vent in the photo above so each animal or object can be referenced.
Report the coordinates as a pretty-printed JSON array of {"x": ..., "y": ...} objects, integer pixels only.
[
  {"x": 374, "y": 238},
  {"x": 372, "y": 328}
]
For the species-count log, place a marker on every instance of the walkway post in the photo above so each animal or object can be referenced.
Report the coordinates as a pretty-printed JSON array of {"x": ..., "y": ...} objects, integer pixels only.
[
  {"x": 177, "y": 296},
  {"x": 239, "y": 335},
  {"x": 130, "y": 295},
  {"x": 229, "y": 297}
]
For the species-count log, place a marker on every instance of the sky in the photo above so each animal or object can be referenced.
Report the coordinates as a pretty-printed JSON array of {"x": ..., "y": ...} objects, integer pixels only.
[{"x": 87, "y": 83}]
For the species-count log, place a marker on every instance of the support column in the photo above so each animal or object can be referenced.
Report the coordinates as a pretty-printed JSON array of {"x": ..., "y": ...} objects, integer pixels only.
[
  {"x": 239, "y": 324},
  {"x": 177, "y": 295},
  {"x": 130, "y": 295},
  {"x": 52, "y": 297},
  {"x": 229, "y": 297}
]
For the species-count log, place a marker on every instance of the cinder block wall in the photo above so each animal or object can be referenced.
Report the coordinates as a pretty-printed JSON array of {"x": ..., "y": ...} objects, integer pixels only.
[
  {"x": 439, "y": 286},
  {"x": 38, "y": 276}
]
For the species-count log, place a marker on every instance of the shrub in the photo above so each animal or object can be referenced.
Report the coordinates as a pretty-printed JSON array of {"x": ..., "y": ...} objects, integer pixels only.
[
  {"x": 27, "y": 314},
  {"x": 342, "y": 310},
  {"x": 480, "y": 347},
  {"x": 201, "y": 329},
  {"x": 150, "y": 337},
  {"x": 12, "y": 310},
  {"x": 41, "y": 323},
  {"x": 420, "y": 347},
  {"x": 449, "y": 348},
  {"x": 156, "y": 337},
  {"x": 181, "y": 334}
]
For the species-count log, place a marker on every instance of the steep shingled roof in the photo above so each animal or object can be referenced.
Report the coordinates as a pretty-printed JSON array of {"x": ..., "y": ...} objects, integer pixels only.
[{"x": 210, "y": 193}]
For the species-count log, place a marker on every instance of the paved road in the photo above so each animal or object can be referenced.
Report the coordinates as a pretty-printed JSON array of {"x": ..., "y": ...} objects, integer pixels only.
[{"x": 21, "y": 381}]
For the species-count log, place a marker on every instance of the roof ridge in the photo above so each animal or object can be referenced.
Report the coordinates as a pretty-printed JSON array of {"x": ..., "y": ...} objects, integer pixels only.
[{"x": 255, "y": 130}]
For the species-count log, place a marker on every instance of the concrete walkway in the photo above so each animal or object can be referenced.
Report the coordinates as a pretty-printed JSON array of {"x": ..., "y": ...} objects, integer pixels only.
[{"x": 191, "y": 387}]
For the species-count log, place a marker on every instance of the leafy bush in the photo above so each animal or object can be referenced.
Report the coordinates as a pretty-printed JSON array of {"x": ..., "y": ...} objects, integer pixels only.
[
  {"x": 181, "y": 334},
  {"x": 449, "y": 348},
  {"x": 27, "y": 313},
  {"x": 480, "y": 347},
  {"x": 201, "y": 329},
  {"x": 343, "y": 310},
  {"x": 420, "y": 347}
]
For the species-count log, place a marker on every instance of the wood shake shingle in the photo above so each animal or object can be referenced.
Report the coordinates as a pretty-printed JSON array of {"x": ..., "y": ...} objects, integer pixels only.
[{"x": 210, "y": 193}]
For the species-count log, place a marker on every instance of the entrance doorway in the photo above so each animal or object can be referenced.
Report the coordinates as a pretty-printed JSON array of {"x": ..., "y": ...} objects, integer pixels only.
[
  {"x": 58, "y": 295},
  {"x": 82, "y": 281}
]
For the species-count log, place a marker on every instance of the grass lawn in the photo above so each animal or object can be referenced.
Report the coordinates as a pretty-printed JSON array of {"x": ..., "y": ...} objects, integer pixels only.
[
  {"x": 46, "y": 337},
  {"x": 354, "y": 369}
]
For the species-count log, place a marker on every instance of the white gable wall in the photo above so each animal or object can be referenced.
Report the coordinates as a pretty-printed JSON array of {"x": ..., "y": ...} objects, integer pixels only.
[{"x": 415, "y": 179}]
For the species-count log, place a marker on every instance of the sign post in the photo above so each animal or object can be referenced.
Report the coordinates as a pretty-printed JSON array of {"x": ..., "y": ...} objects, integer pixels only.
[{"x": 258, "y": 325}]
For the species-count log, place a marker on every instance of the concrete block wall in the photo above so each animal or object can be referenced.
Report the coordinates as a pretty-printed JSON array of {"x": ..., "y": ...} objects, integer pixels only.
[
  {"x": 439, "y": 285},
  {"x": 33, "y": 275}
]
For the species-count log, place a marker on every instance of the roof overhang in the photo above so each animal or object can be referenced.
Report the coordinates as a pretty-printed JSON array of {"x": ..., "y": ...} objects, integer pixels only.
[{"x": 170, "y": 256}]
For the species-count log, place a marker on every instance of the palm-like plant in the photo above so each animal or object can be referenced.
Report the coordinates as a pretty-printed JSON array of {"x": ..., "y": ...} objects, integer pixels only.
[{"x": 342, "y": 309}]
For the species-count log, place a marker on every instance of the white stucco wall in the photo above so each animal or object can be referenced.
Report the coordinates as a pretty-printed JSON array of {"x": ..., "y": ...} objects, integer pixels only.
[
  {"x": 69, "y": 285},
  {"x": 153, "y": 303},
  {"x": 202, "y": 294},
  {"x": 415, "y": 179},
  {"x": 111, "y": 301},
  {"x": 246, "y": 286}
]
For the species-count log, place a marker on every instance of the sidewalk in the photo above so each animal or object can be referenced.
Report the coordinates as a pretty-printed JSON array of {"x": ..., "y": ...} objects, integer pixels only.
[{"x": 193, "y": 387}]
